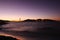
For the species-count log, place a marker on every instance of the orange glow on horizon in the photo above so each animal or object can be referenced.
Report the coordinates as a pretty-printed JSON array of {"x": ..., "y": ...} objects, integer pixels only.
[{"x": 22, "y": 18}]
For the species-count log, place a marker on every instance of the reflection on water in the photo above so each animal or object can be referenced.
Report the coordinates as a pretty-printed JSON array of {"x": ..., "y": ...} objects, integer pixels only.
[{"x": 32, "y": 31}]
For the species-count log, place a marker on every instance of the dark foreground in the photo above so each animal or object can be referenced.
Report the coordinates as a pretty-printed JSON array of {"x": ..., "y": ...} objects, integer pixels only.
[
  {"x": 7, "y": 38},
  {"x": 50, "y": 31}
]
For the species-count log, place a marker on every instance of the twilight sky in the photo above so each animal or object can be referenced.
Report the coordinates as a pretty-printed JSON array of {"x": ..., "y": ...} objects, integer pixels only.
[{"x": 29, "y": 9}]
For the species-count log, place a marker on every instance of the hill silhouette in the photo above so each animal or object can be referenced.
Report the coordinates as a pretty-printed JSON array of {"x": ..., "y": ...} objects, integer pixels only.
[
  {"x": 29, "y": 20},
  {"x": 2, "y": 22},
  {"x": 39, "y": 20}
]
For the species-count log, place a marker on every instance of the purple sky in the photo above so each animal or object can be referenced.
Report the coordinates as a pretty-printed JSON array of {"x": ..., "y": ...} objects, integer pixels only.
[{"x": 13, "y": 10}]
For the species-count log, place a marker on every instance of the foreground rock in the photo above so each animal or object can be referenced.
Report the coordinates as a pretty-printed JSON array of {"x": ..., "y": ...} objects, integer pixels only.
[{"x": 7, "y": 38}]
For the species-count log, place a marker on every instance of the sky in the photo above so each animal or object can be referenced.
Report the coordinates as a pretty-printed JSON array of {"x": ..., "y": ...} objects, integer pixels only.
[{"x": 29, "y": 9}]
